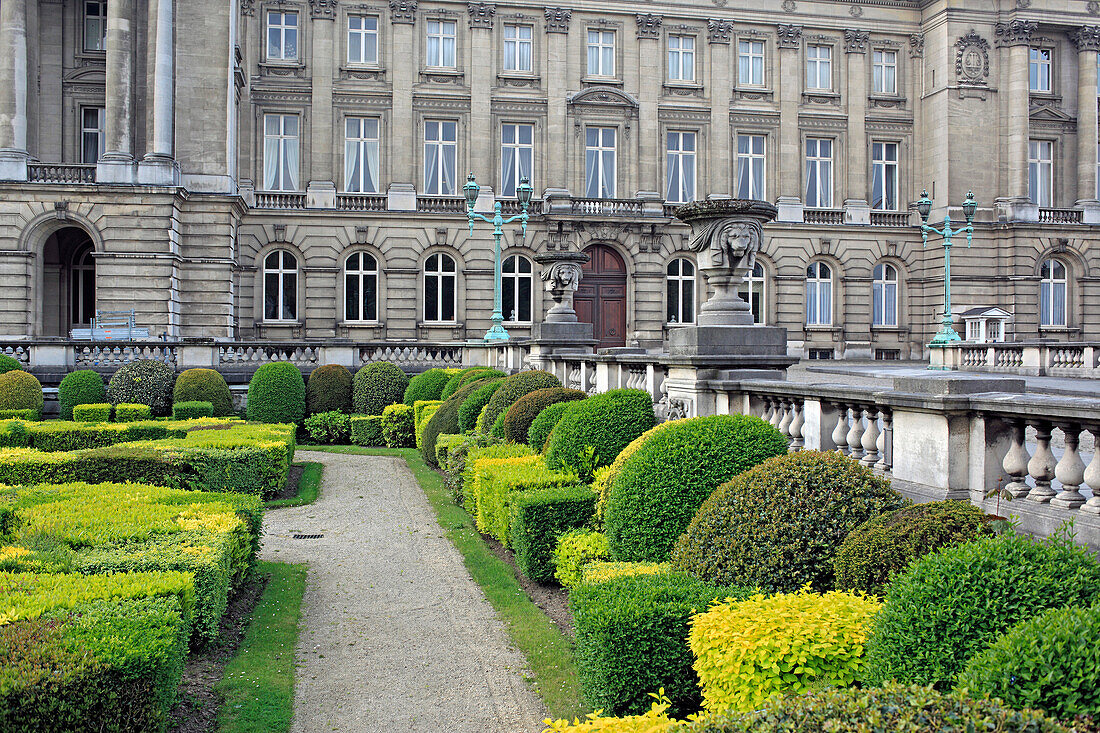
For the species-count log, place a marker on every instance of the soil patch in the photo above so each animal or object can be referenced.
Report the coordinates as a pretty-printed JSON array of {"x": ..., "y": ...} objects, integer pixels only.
[
  {"x": 197, "y": 704},
  {"x": 552, "y": 599},
  {"x": 291, "y": 489}
]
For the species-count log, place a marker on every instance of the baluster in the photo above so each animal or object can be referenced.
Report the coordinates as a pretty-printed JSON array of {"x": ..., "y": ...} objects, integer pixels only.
[
  {"x": 777, "y": 413},
  {"x": 785, "y": 424},
  {"x": 766, "y": 415},
  {"x": 1041, "y": 465},
  {"x": 855, "y": 434},
  {"x": 1092, "y": 474},
  {"x": 1070, "y": 471},
  {"x": 840, "y": 432},
  {"x": 797, "y": 442},
  {"x": 1015, "y": 462},
  {"x": 870, "y": 438},
  {"x": 886, "y": 442}
]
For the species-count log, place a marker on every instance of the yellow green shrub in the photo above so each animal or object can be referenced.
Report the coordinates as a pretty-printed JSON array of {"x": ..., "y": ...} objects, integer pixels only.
[
  {"x": 422, "y": 412},
  {"x": 574, "y": 551},
  {"x": 474, "y": 456},
  {"x": 746, "y": 651},
  {"x": 495, "y": 480},
  {"x": 600, "y": 571},
  {"x": 655, "y": 720}
]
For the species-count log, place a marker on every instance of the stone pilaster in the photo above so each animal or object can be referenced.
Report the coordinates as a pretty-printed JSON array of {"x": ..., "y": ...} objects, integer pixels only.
[
  {"x": 1087, "y": 40},
  {"x": 856, "y": 208},
  {"x": 117, "y": 164},
  {"x": 556, "y": 156},
  {"x": 651, "y": 151},
  {"x": 13, "y": 90},
  {"x": 321, "y": 189},
  {"x": 159, "y": 166},
  {"x": 480, "y": 134},
  {"x": 721, "y": 170},
  {"x": 1013, "y": 39},
  {"x": 405, "y": 58},
  {"x": 788, "y": 86}
]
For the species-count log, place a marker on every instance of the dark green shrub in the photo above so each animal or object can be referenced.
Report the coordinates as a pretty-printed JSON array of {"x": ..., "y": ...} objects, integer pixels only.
[
  {"x": 539, "y": 518},
  {"x": 144, "y": 382},
  {"x": 511, "y": 389},
  {"x": 887, "y": 544},
  {"x": 472, "y": 407},
  {"x": 465, "y": 376},
  {"x": 777, "y": 526},
  {"x": 376, "y": 386},
  {"x": 952, "y": 604},
  {"x": 328, "y": 389},
  {"x": 332, "y": 427},
  {"x": 92, "y": 412},
  {"x": 444, "y": 421},
  {"x": 20, "y": 390},
  {"x": 631, "y": 640},
  {"x": 204, "y": 385},
  {"x": 366, "y": 430},
  {"x": 544, "y": 423},
  {"x": 397, "y": 426},
  {"x": 605, "y": 422},
  {"x": 426, "y": 386},
  {"x": 82, "y": 387},
  {"x": 276, "y": 394},
  {"x": 9, "y": 364},
  {"x": 656, "y": 491},
  {"x": 518, "y": 418},
  {"x": 192, "y": 410}
]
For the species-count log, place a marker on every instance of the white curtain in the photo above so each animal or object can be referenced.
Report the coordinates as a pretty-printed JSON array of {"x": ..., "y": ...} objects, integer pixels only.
[
  {"x": 431, "y": 168},
  {"x": 351, "y": 165},
  {"x": 449, "y": 165},
  {"x": 370, "y": 185},
  {"x": 290, "y": 171},
  {"x": 592, "y": 173}
]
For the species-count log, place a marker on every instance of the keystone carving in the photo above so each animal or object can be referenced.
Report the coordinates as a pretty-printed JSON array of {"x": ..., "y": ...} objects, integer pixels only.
[
  {"x": 790, "y": 36},
  {"x": 481, "y": 14},
  {"x": 916, "y": 46},
  {"x": 402, "y": 11},
  {"x": 856, "y": 41},
  {"x": 557, "y": 20},
  {"x": 323, "y": 9}
]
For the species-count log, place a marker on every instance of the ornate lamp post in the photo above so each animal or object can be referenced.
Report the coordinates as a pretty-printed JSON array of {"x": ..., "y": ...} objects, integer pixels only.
[
  {"x": 523, "y": 193},
  {"x": 947, "y": 333}
]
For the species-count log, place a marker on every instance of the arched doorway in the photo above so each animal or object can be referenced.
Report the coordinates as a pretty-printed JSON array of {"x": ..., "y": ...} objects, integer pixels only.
[
  {"x": 68, "y": 282},
  {"x": 601, "y": 297}
]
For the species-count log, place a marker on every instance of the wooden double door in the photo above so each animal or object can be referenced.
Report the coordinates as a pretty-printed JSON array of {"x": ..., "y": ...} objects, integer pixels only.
[{"x": 601, "y": 297}]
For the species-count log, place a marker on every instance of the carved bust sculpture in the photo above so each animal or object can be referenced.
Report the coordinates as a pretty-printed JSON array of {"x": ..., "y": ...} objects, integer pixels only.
[
  {"x": 728, "y": 243},
  {"x": 562, "y": 276}
]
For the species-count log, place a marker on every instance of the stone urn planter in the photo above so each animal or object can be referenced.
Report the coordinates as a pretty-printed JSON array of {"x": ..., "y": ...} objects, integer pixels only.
[{"x": 561, "y": 274}]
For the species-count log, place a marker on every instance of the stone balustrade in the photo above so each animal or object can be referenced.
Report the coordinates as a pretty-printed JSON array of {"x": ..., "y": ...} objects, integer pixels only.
[{"x": 1030, "y": 358}]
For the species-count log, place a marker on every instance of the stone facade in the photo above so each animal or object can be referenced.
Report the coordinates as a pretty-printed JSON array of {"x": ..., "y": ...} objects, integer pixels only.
[{"x": 147, "y": 150}]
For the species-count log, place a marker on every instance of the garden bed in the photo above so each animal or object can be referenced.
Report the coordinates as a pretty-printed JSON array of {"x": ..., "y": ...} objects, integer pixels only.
[{"x": 553, "y": 600}]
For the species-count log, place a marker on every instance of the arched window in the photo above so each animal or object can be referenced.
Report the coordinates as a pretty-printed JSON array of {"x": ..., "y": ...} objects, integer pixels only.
[
  {"x": 516, "y": 286},
  {"x": 439, "y": 288},
  {"x": 885, "y": 295},
  {"x": 753, "y": 291},
  {"x": 680, "y": 289},
  {"x": 280, "y": 286},
  {"x": 1052, "y": 293},
  {"x": 82, "y": 284},
  {"x": 360, "y": 287},
  {"x": 819, "y": 295}
]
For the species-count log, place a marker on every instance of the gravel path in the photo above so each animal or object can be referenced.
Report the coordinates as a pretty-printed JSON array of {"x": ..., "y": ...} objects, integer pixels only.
[{"x": 395, "y": 634}]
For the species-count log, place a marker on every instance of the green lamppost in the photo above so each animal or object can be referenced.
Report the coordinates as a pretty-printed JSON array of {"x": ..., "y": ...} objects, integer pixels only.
[
  {"x": 947, "y": 333},
  {"x": 523, "y": 194}
]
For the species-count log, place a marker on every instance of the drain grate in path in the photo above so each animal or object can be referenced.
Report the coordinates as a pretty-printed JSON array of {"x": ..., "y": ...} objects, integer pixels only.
[{"x": 307, "y": 536}]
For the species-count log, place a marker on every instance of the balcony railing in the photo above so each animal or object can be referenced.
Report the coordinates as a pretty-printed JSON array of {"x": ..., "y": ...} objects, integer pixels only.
[
  {"x": 1060, "y": 216},
  {"x": 60, "y": 173},
  {"x": 511, "y": 207},
  {"x": 360, "y": 202},
  {"x": 890, "y": 218},
  {"x": 1067, "y": 359},
  {"x": 823, "y": 216},
  {"x": 608, "y": 207},
  {"x": 441, "y": 204},
  {"x": 280, "y": 200}
]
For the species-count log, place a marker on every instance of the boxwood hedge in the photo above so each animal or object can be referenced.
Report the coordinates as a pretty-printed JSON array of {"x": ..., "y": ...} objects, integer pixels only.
[
  {"x": 511, "y": 389},
  {"x": 204, "y": 385},
  {"x": 147, "y": 382},
  {"x": 544, "y": 423},
  {"x": 444, "y": 421},
  {"x": 518, "y": 418},
  {"x": 473, "y": 405},
  {"x": 607, "y": 422},
  {"x": 82, "y": 387},
  {"x": 426, "y": 386},
  {"x": 277, "y": 394},
  {"x": 8, "y": 363},
  {"x": 328, "y": 389},
  {"x": 20, "y": 390},
  {"x": 377, "y": 386}
]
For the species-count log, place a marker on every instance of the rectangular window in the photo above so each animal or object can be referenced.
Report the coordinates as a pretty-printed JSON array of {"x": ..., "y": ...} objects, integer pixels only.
[
  {"x": 441, "y": 43},
  {"x": 93, "y": 122},
  {"x": 280, "y": 152},
  {"x": 95, "y": 25},
  {"x": 1040, "y": 172},
  {"x": 885, "y": 72},
  {"x": 884, "y": 176},
  {"x": 750, "y": 63},
  {"x": 1039, "y": 69},
  {"x": 282, "y": 36},
  {"x": 440, "y": 157},
  {"x": 680, "y": 160},
  {"x": 601, "y": 53},
  {"x": 517, "y": 47},
  {"x": 599, "y": 162},
  {"x": 750, "y": 167},
  {"x": 361, "y": 153},
  {"x": 517, "y": 154},
  {"x": 819, "y": 172},
  {"x": 819, "y": 67},
  {"x": 681, "y": 58},
  {"x": 362, "y": 39}
]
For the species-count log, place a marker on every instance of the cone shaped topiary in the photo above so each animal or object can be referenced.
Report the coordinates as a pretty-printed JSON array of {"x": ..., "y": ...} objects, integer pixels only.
[
  {"x": 204, "y": 385},
  {"x": 276, "y": 394},
  {"x": 329, "y": 389},
  {"x": 82, "y": 387},
  {"x": 144, "y": 382},
  {"x": 377, "y": 386}
]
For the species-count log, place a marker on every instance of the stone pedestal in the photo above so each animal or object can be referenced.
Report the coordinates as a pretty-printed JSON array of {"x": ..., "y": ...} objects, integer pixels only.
[{"x": 561, "y": 271}]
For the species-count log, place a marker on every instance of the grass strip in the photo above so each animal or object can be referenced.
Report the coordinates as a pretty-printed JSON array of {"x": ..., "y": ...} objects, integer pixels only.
[
  {"x": 548, "y": 651},
  {"x": 257, "y": 688},
  {"x": 309, "y": 487}
]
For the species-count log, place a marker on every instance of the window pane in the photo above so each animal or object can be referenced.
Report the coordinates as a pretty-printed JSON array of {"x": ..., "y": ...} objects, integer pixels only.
[
  {"x": 351, "y": 297},
  {"x": 525, "y": 299}
]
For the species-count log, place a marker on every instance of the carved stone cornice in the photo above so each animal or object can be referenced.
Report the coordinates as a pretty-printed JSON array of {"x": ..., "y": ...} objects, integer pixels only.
[
  {"x": 855, "y": 41},
  {"x": 916, "y": 46},
  {"x": 557, "y": 20},
  {"x": 1086, "y": 38},
  {"x": 402, "y": 11},
  {"x": 649, "y": 25},
  {"x": 481, "y": 14},
  {"x": 790, "y": 36},
  {"x": 718, "y": 30},
  {"x": 323, "y": 9},
  {"x": 1014, "y": 33}
]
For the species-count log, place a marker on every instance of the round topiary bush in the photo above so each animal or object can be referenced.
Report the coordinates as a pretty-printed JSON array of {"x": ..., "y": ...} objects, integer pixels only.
[
  {"x": 512, "y": 389},
  {"x": 82, "y": 387},
  {"x": 276, "y": 394},
  {"x": 465, "y": 376},
  {"x": 20, "y": 390},
  {"x": 444, "y": 422},
  {"x": 145, "y": 382},
  {"x": 377, "y": 386},
  {"x": 952, "y": 604},
  {"x": 777, "y": 526},
  {"x": 607, "y": 422},
  {"x": 518, "y": 418},
  {"x": 671, "y": 471},
  {"x": 204, "y": 385},
  {"x": 544, "y": 423},
  {"x": 425, "y": 386},
  {"x": 328, "y": 389},
  {"x": 475, "y": 403},
  {"x": 9, "y": 364},
  {"x": 887, "y": 544}
]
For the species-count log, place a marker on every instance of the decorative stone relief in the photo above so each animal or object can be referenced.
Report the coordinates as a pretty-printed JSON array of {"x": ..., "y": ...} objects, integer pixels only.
[
  {"x": 561, "y": 276},
  {"x": 718, "y": 31},
  {"x": 1086, "y": 38},
  {"x": 789, "y": 5},
  {"x": 1014, "y": 32},
  {"x": 649, "y": 25},
  {"x": 557, "y": 20},
  {"x": 916, "y": 46},
  {"x": 248, "y": 7},
  {"x": 323, "y": 9},
  {"x": 1093, "y": 7},
  {"x": 402, "y": 11},
  {"x": 972, "y": 59},
  {"x": 856, "y": 41},
  {"x": 481, "y": 14},
  {"x": 790, "y": 36},
  {"x": 855, "y": 11}
]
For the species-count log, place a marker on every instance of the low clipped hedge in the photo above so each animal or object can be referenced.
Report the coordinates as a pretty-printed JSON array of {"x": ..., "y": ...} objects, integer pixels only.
[
  {"x": 543, "y": 424},
  {"x": 952, "y": 604},
  {"x": 444, "y": 421},
  {"x": 574, "y": 551},
  {"x": 886, "y": 544},
  {"x": 778, "y": 525},
  {"x": 474, "y": 456},
  {"x": 422, "y": 412},
  {"x": 20, "y": 390},
  {"x": 328, "y": 389},
  {"x": 82, "y": 387},
  {"x": 192, "y": 410},
  {"x": 518, "y": 418},
  {"x": 670, "y": 471},
  {"x": 9, "y": 364},
  {"x": 146, "y": 382},
  {"x": 132, "y": 412},
  {"x": 444, "y": 444},
  {"x": 398, "y": 429},
  {"x": 204, "y": 385},
  {"x": 92, "y": 412},
  {"x": 330, "y": 428},
  {"x": 511, "y": 389},
  {"x": 425, "y": 386},
  {"x": 498, "y": 482},
  {"x": 276, "y": 394},
  {"x": 606, "y": 422},
  {"x": 366, "y": 430},
  {"x": 472, "y": 406},
  {"x": 28, "y": 415},
  {"x": 377, "y": 386},
  {"x": 539, "y": 518}
]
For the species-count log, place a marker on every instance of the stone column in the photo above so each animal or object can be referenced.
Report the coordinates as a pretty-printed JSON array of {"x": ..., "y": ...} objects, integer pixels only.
[
  {"x": 721, "y": 171},
  {"x": 404, "y": 61},
  {"x": 321, "y": 189},
  {"x": 479, "y": 69},
  {"x": 117, "y": 164},
  {"x": 556, "y": 154},
  {"x": 856, "y": 208},
  {"x": 789, "y": 204},
  {"x": 13, "y": 90},
  {"x": 651, "y": 150},
  {"x": 1087, "y": 40},
  {"x": 1014, "y": 38},
  {"x": 159, "y": 166}
]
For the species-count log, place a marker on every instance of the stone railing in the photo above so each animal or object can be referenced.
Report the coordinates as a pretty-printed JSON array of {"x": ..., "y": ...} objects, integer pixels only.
[
  {"x": 280, "y": 200},
  {"x": 360, "y": 202},
  {"x": 243, "y": 354},
  {"x": 440, "y": 205},
  {"x": 1061, "y": 216},
  {"x": 1039, "y": 358},
  {"x": 115, "y": 354},
  {"x": 511, "y": 207},
  {"x": 411, "y": 355},
  {"x": 60, "y": 173},
  {"x": 890, "y": 218},
  {"x": 823, "y": 216},
  {"x": 607, "y": 207}
]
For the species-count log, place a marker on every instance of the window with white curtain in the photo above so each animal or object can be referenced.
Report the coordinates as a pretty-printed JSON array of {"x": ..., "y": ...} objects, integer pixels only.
[
  {"x": 819, "y": 295},
  {"x": 282, "y": 36},
  {"x": 819, "y": 172},
  {"x": 885, "y": 72},
  {"x": 1040, "y": 172},
  {"x": 93, "y": 124},
  {"x": 681, "y": 58},
  {"x": 280, "y": 152},
  {"x": 361, "y": 152},
  {"x": 819, "y": 67},
  {"x": 680, "y": 161},
  {"x": 518, "y": 43},
  {"x": 750, "y": 63},
  {"x": 517, "y": 154},
  {"x": 441, "y": 43},
  {"x": 753, "y": 291},
  {"x": 280, "y": 286},
  {"x": 601, "y": 53},
  {"x": 361, "y": 287},
  {"x": 884, "y": 295},
  {"x": 516, "y": 289},
  {"x": 95, "y": 25},
  {"x": 1039, "y": 69},
  {"x": 362, "y": 39},
  {"x": 680, "y": 291},
  {"x": 440, "y": 157},
  {"x": 884, "y": 176},
  {"x": 750, "y": 166},
  {"x": 1052, "y": 293},
  {"x": 599, "y": 162},
  {"x": 440, "y": 278}
]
